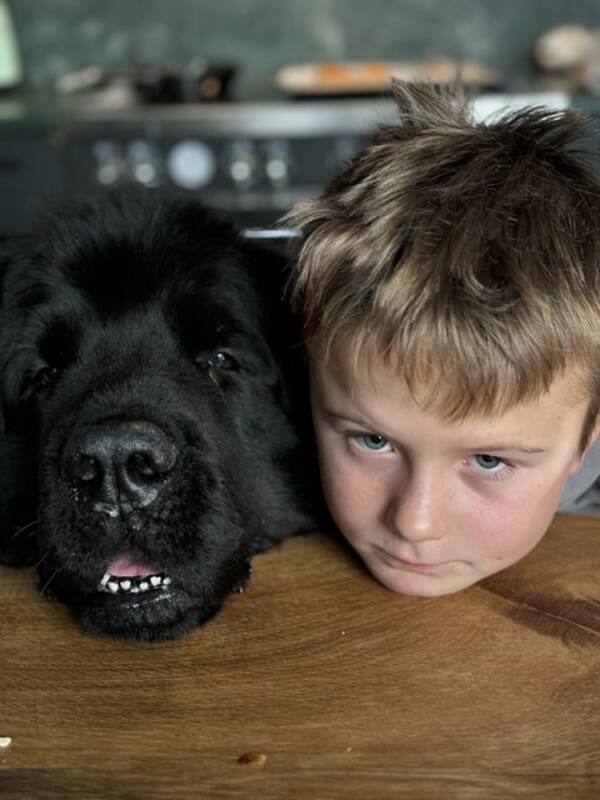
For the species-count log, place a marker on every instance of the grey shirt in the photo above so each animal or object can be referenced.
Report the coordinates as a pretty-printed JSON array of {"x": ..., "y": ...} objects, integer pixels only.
[{"x": 581, "y": 494}]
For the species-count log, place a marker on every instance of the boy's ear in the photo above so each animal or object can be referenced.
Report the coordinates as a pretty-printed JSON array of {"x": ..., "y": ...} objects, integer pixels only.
[
  {"x": 592, "y": 439},
  {"x": 594, "y": 435},
  {"x": 595, "y": 432}
]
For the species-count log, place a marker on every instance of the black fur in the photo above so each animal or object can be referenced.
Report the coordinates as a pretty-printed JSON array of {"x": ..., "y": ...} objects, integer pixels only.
[{"x": 124, "y": 432}]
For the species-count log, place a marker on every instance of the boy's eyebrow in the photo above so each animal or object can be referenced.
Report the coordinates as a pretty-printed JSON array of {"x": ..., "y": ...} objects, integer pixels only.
[
  {"x": 516, "y": 448},
  {"x": 488, "y": 448}
]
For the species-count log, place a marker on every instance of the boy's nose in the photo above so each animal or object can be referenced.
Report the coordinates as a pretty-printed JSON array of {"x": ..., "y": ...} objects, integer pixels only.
[{"x": 419, "y": 508}]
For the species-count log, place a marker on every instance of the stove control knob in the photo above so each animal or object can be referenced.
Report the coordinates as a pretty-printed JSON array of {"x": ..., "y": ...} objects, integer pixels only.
[
  {"x": 111, "y": 164},
  {"x": 145, "y": 165},
  {"x": 242, "y": 164},
  {"x": 191, "y": 164},
  {"x": 278, "y": 164}
]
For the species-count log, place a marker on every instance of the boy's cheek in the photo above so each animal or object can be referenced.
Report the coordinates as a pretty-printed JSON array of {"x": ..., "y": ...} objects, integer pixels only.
[
  {"x": 516, "y": 541},
  {"x": 338, "y": 487},
  {"x": 346, "y": 495}
]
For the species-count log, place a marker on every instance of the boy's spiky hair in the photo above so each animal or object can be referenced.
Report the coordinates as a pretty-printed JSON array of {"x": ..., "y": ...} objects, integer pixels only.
[{"x": 465, "y": 254}]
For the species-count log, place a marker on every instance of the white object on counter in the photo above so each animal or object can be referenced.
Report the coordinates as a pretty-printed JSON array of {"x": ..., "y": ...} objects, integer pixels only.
[
  {"x": 488, "y": 104},
  {"x": 11, "y": 72}
]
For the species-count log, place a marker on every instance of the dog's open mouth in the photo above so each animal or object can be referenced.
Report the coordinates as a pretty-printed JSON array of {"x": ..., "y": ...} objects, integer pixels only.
[
  {"x": 128, "y": 575},
  {"x": 136, "y": 599}
]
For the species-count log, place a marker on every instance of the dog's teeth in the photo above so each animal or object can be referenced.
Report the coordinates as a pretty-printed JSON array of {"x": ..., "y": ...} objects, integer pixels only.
[{"x": 114, "y": 584}]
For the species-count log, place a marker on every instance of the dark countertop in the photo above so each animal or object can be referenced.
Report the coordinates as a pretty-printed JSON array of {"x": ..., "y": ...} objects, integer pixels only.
[{"x": 42, "y": 110}]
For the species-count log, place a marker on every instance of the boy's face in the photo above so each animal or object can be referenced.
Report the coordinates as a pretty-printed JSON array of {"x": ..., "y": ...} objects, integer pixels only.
[{"x": 433, "y": 507}]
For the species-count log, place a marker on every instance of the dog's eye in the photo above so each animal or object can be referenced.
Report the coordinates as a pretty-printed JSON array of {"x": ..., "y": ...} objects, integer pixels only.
[
  {"x": 222, "y": 360},
  {"x": 44, "y": 378}
]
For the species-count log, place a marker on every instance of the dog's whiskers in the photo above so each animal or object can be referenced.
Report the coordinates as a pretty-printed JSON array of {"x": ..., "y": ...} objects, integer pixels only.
[
  {"x": 36, "y": 565},
  {"x": 70, "y": 558},
  {"x": 50, "y": 579},
  {"x": 19, "y": 531},
  {"x": 215, "y": 380}
]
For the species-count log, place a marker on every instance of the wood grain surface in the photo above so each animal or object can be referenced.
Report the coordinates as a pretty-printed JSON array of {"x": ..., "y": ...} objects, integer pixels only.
[{"x": 319, "y": 683}]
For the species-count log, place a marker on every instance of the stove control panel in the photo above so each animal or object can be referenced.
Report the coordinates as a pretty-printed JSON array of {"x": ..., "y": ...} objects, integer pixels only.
[
  {"x": 231, "y": 173},
  {"x": 244, "y": 159},
  {"x": 252, "y": 160}
]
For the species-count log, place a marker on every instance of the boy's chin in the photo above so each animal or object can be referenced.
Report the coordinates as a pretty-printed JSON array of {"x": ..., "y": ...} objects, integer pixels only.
[{"x": 446, "y": 579}]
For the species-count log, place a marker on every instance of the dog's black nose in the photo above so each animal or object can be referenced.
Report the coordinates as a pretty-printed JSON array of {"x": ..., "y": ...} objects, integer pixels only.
[{"x": 122, "y": 465}]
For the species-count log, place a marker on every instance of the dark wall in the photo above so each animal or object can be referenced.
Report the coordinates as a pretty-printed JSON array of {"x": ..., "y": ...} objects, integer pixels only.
[{"x": 261, "y": 35}]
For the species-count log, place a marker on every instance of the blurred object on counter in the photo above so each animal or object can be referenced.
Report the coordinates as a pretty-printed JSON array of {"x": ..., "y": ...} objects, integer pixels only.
[
  {"x": 350, "y": 78},
  {"x": 82, "y": 80},
  {"x": 563, "y": 48},
  {"x": 590, "y": 73},
  {"x": 571, "y": 52},
  {"x": 197, "y": 81},
  {"x": 11, "y": 71}
]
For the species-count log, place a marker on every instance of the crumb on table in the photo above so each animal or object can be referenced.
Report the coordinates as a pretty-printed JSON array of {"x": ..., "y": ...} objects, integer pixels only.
[{"x": 253, "y": 759}]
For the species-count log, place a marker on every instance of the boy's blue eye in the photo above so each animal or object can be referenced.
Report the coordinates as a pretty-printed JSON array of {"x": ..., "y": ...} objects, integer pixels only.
[
  {"x": 492, "y": 466},
  {"x": 373, "y": 442},
  {"x": 488, "y": 462}
]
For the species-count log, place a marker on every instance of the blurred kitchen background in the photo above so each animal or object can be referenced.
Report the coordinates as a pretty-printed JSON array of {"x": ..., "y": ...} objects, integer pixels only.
[{"x": 253, "y": 104}]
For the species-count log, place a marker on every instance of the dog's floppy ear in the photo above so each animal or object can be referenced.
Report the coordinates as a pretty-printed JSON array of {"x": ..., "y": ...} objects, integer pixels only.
[
  {"x": 18, "y": 471},
  {"x": 304, "y": 509}
]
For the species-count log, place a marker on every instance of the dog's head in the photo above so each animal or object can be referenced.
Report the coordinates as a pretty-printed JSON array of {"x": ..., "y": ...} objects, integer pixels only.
[{"x": 152, "y": 413}]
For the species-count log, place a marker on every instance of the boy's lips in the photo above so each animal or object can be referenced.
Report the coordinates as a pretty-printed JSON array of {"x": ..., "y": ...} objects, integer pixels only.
[{"x": 401, "y": 563}]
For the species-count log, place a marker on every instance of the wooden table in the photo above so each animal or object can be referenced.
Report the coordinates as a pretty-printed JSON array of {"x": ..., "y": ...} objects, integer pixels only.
[{"x": 348, "y": 690}]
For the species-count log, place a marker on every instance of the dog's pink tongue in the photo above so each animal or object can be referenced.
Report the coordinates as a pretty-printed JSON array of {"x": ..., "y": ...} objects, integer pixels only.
[{"x": 125, "y": 566}]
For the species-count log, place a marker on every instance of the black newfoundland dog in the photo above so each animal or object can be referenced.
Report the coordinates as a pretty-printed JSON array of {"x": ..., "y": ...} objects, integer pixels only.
[{"x": 154, "y": 431}]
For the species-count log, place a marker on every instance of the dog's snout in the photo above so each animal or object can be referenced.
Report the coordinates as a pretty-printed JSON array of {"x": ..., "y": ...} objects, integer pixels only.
[{"x": 122, "y": 464}]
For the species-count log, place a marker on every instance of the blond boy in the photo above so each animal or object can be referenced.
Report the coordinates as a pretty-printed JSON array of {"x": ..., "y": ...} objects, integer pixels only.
[{"x": 448, "y": 281}]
